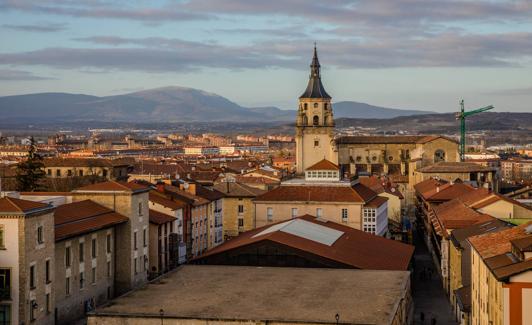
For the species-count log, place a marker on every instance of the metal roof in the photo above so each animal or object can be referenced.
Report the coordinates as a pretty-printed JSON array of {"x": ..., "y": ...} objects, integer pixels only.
[{"x": 304, "y": 229}]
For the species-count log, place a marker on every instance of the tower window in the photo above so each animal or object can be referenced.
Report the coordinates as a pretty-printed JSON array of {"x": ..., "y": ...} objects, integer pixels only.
[
  {"x": 325, "y": 106},
  {"x": 316, "y": 143},
  {"x": 439, "y": 155},
  {"x": 315, "y": 105},
  {"x": 305, "y": 120},
  {"x": 305, "y": 105},
  {"x": 315, "y": 120}
]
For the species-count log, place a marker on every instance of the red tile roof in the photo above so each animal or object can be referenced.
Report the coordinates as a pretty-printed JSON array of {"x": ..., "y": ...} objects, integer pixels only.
[
  {"x": 428, "y": 185},
  {"x": 376, "y": 202},
  {"x": 454, "y": 167},
  {"x": 114, "y": 186},
  {"x": 82, "y": 217},
  {"x": 160, "y": 218},
  {"x": 448, "y": 192},
  {"x": 13, "y": 205},
  {"x": 354, "y": 248},
  {"x": 313, "y": 193},
  {"x": 324, "y": 164},
  {"x": 492, "y": 244},
  {"x": 161, "y": 199},
  {"x": 455, "y": 214}
]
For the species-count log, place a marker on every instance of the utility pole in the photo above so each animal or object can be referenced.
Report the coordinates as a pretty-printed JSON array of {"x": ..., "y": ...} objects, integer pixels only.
[{"x": 462, "y": 117}]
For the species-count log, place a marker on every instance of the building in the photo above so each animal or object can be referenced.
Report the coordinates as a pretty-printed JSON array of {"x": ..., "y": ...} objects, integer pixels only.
[
  {"x": 516, "y": 170},
  {"x": 311, "y": 242},
  {"x": 86, "y": 167},
  {"x": 238, "y": 207},
  {"x": 27, "y": 283},
  {"x": 85, "y": 257},
  {"x": 501, "y": 275},
  {"x": 265, "y": 295},
  {"x": 460, "y": 265},
  {"x": 323, "y": 194},
  {"x": 131, "y": 200},
  {"x": 469, "y": 172},
  {"x": 164, "y": 243},
  {"x": 314, "y": 123}
]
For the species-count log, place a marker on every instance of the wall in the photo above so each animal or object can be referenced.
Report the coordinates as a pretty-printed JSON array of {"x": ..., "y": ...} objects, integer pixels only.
[
  {"x": 231, "y": 215},
  {"x": 10, "y": 260},
  {"x": 331, "y": 211}
]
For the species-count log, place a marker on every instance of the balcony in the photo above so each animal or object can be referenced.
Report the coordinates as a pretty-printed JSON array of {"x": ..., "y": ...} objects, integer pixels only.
[{"x": 5, "y": 293}]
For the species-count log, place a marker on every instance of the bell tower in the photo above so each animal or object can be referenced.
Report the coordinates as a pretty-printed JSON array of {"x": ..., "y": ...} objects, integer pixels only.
[{"x": 314, "y": 123}]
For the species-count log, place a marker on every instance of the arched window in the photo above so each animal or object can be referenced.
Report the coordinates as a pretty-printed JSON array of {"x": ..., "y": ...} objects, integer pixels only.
[
  {"x": 316, "y": 120},
  {"x": 305, "y": 120},
  {"x": 325, "y": 106},
  {"x": 439, "y": 155}
]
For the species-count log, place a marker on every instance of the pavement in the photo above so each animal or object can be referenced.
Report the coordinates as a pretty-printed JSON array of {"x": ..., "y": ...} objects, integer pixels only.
[{"x": 428, "y": 293}]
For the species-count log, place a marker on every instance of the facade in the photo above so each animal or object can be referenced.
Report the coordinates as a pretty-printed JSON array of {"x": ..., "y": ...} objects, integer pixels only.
[
  {"x": 265, "y": 295},
  {"x": 238, "y": 207},
  {"x": 517, "y": 170},
  {"x": 501, "y": 275},
  {"x": 323, "y": 195},
  {"x": 314, "y": 123},
  {"x": 27, "y": 284},
  {"x": 85, "y": 257},
  {"x": 131, "y": 200},
  {"x": 85, "y": 167},
  {"x": 164, "y": 243}
]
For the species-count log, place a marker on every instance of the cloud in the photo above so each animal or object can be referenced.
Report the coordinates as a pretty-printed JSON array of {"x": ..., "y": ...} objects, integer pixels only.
[
  {"x": 527, "y": 91},
  {"x": 41, "y": 28},
  {"x": 19, "y": 75},
  {"x": 158, "y": 54},
  {"x": 105, "y": 9}
]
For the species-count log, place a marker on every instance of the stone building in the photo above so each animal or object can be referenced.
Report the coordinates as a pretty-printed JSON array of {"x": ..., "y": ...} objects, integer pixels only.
[
  {"x": 131, "y": 200},
  {"x": 85, "y": 167},
  {"x": 238, "y": 207},
  {"x": 85, "y": 257},
  {"x": 27, "y": 283}
]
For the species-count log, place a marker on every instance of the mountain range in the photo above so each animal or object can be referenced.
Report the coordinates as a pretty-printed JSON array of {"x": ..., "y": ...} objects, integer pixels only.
[{"x": 167, "y": 104}]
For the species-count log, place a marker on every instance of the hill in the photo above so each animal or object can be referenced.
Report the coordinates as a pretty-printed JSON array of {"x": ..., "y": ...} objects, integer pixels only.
[{"x": 168, "y": 104}]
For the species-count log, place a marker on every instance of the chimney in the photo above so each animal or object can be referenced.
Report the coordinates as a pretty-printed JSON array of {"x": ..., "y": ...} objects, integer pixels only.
[
  {"x": 437, "y": 189},
  {"x": 160, "y": 187}
]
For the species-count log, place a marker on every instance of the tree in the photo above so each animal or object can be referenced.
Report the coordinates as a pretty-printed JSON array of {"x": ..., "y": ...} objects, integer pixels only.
[{"x": 30, "y": 171}]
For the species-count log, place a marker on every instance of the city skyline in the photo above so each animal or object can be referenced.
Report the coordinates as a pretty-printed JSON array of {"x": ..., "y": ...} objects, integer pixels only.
[{"x": 402, "y": 54}]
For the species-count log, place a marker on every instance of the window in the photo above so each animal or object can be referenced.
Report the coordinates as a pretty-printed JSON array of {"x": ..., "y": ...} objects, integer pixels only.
[
  {"x": 294, "y": 213},
  {"x": 49, "y": 172},
  {"x": 81, "y": 279},
  {"x": 33, "y": 306},
  {"x": 316, "y": 120},
  {"x": 47, "y": 303},
  {"x": 240, "y": 208},
  {"x": 319, "y": 212},
  {"x": 5, "y": 284},
  {"x": 269, "y": 214},
  {"x": 2, "y": 240},
  {"x": 135, "y": 263},
  {"x": 32, "y": 277},
  {"x": 68, "y": 261},
  {"x": 305, "y": 106},
  {"x": 58, "y": 173},
  {"x": 108, "y": 243},
  {"x": 47, "y": 271},
  {"x": 67, "y": 286},
  {"x": 40, "y": 235},
  {"x": 81, "y": 252},
  {"x": 439, "y": 155},
  {"x": 140, "y": 208},
  {"x": 93, "y": 250},
  {"x": 344, "y": 215},
  {"x": 135, "y": 240},
  {"x": 315, "y": 105},
  {"x": 325, "y": 106},
  {"x": 145, "y": 237},
  {"x": 316, "y": 143},
  {"x": 104, "y": 173},
  {"x": 241, "y": 222},
  {"x": 145, "y": 262},
  {"x": 108, "y": 268},
  {"x": 93, "y": 275},
  {"x": 81, "y": 173},
  {"x": 69, "y": 172}
]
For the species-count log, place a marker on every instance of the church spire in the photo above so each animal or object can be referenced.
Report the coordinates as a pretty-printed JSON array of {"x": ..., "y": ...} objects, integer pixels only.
[{"x": 315, "y": 87}]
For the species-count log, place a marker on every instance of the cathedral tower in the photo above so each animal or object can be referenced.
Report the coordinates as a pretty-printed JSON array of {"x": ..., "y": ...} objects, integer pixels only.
[{"x": 315, "y": 123}]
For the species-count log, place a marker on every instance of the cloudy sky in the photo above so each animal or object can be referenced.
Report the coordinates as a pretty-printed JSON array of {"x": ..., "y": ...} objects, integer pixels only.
[{"x": 419, "y": 54}]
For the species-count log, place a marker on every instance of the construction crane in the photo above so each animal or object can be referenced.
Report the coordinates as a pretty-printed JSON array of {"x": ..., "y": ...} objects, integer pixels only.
[{"x": 462, "y": 117}]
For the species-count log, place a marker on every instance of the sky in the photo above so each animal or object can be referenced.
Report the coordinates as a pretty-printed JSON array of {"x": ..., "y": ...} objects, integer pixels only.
[{"x": 410, "y": 54}]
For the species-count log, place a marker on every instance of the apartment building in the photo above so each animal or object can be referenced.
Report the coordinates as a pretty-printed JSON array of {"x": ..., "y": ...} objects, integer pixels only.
[
  {"x": 84, "y": 167},
  {"x": 501, "y": 277},
  {"x": 27, "y": 283}
]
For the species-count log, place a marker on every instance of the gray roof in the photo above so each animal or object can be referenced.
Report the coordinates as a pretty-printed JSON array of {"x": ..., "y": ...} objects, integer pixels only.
[
  {"x": 459, "y": 236},
  {"x": 315, "y": 88},
  {"x": 209, "y": 292}
]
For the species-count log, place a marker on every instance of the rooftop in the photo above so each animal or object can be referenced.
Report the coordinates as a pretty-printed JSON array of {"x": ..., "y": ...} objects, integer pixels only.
[
  {"x": 324, "y": 164},
  {"x": 455, "y": 167},
  {"x": 267, "y": 294},
  {"x": 18, "y": 206},
  {"x": 351, "y": 247},
  {"x": 114, "y": 186},
  {"x": 319, "y": 193},
  {"x": 497, "y": 243},
  {"x": 235, "y": 189},
  {"x": 160, "y": 218},
  {"x": 388, "y": 139}
]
